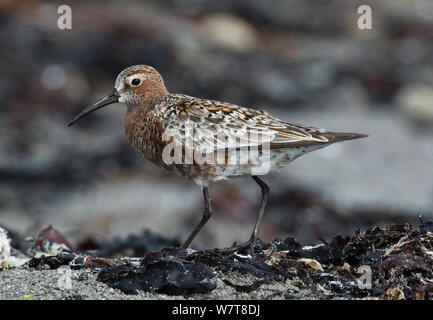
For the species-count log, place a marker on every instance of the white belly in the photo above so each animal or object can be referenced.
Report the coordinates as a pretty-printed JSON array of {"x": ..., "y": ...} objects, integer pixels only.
[{"x": 242, "y": 162}]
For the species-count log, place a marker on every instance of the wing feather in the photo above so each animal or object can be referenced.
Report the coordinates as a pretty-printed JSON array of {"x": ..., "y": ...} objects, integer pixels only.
[{"x": 208, "y": 125}]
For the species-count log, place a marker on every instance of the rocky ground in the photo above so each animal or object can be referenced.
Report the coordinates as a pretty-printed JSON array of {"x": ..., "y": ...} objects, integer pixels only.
[{"x": 389, "y": 263}]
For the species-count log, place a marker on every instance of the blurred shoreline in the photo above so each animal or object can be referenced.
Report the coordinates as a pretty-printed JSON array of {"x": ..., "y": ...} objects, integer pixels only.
[{"x": 296, "y": 60}]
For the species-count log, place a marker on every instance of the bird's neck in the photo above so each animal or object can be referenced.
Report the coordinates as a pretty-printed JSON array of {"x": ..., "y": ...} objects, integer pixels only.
[{"x": 153, "y": 98}]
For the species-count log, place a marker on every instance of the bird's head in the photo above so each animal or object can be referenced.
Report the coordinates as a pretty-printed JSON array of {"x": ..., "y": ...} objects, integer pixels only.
[{"x": 136, "y": 86}]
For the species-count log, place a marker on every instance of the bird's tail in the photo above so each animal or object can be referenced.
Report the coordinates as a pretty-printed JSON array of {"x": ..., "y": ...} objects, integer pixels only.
[{"x": 343, "y": 136}]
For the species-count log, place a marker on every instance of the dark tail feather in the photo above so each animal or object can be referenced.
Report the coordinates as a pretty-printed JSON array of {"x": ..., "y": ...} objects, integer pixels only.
[{"x": 343, "y": 136}]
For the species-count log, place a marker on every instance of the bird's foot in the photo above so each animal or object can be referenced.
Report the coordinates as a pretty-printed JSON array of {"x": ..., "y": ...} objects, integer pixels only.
[{"x": 251, "y": 244}]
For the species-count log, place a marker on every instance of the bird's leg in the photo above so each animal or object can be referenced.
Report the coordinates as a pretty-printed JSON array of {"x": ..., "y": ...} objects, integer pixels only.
[
  {"x": 265, "y": 195},
  {"x": 251, "y": 243},
  {"x": 206, "y": 215}
]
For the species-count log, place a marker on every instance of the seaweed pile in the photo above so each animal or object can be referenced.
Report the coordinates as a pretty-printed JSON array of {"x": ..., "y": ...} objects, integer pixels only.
[{"x": 394, "y": 262}]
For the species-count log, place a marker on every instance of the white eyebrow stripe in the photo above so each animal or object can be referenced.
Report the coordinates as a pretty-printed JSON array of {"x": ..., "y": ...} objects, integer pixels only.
[{"x": 139, "y": 76}]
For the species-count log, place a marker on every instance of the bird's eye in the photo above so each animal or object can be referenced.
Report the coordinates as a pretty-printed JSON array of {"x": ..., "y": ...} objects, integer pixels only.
[{"x": 135, "y": 82}]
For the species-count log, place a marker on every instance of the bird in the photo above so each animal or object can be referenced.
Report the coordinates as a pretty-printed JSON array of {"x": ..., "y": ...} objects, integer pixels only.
[{"x": 208, "y": 140}]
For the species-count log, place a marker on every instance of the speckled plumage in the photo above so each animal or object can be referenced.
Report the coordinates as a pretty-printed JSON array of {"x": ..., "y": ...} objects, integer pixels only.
[
  {"x": 212, "y": 120},
  {"x": 239, "y": 140}
]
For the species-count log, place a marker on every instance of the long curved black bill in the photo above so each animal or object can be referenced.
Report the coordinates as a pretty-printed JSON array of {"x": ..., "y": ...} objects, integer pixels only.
[{"x": 113, "y": 97}]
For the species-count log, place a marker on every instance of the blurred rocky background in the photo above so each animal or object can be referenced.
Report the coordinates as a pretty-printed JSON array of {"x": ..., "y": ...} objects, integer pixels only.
[{"x": 304, "y": 61}]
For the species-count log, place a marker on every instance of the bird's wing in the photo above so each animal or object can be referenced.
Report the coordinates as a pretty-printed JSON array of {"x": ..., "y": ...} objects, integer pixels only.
[{"x": 208, "y": 125}]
